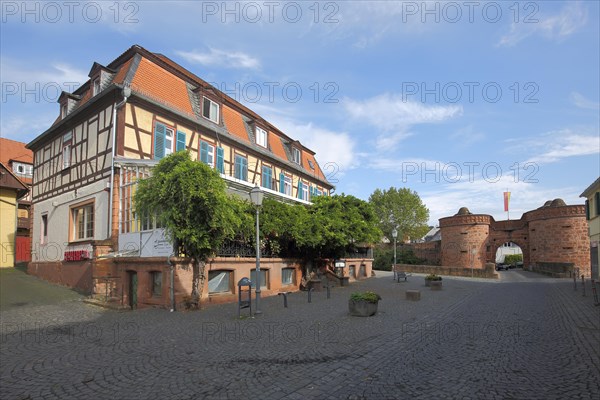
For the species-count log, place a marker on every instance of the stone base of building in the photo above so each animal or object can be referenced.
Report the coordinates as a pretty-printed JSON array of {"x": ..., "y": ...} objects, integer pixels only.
[{"x": 136, "y": 282}]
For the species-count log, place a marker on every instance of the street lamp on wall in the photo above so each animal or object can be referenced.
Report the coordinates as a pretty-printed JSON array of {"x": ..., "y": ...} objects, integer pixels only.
[
  {"x": 256, "y": 197},
  {"x": 394, "y": 235}
]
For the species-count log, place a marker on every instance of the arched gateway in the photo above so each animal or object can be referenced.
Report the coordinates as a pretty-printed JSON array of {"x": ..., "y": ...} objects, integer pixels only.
[{"x": 553, "y": 238}]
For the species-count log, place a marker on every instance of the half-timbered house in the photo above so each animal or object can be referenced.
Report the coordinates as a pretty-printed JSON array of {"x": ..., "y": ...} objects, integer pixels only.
[{"x": 109, "y": 133}]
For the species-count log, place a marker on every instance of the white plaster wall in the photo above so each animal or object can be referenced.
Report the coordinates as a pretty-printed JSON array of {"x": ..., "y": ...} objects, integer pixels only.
[{"x": 57, "y": 209}]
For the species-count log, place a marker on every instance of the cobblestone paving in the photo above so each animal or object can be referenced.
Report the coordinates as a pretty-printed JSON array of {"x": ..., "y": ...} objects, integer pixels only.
[{"x": 522, "y": 337}]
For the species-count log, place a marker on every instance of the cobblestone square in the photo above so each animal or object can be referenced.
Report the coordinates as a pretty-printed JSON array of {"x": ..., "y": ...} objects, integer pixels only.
[{"x": 522, "y": 337}]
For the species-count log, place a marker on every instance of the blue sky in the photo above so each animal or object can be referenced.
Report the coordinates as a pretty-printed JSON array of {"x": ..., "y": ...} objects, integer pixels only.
[{"x": 458, "y": 101}]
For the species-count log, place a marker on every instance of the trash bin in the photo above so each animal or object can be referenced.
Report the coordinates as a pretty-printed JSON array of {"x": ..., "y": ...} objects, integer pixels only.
[{"x": 243, "y": 300}]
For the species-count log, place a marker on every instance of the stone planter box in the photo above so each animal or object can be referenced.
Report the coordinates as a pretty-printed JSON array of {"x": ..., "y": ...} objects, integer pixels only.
[
  {"x": 362, "y": 308},
  {"x": 436, "y": 285}
]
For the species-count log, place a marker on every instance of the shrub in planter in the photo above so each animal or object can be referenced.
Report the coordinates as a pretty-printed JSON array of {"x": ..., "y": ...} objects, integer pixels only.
[
  {"x": 363, "y": 304},
  {"x": 432, "y": 278}
]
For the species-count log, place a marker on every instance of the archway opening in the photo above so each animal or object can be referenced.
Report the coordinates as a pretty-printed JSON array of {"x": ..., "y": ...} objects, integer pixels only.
[{"x": 509, "y": 256}]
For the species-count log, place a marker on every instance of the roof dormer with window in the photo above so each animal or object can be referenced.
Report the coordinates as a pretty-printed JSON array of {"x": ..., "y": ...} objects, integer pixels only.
[
  {"x": 68, "y": 102},
  {"x": 100, "y": 78}
]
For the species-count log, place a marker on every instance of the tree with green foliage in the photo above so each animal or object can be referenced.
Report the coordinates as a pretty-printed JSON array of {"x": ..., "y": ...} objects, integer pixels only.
[
  {"x": 337, "y": 223},
  {"x": 325, "y": 229},
  {"x": 190, "y": 200},
  {"x": 401, "y": 209}
]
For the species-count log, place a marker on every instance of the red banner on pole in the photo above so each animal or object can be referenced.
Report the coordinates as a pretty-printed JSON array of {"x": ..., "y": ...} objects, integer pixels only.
[{"x": 506, "y": 200}]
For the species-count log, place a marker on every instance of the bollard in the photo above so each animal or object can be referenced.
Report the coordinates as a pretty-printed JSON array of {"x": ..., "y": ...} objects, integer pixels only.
[
  {"x": 328, "y": 287},
  {"x": 285, "y": 304},
  {"x": 583, "y": 284},
  {"x": 595, "y": 292},
  {"x": 310, "y": 294}
]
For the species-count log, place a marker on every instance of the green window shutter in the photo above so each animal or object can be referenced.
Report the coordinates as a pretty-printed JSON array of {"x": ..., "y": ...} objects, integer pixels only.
[
  {"x": 245, "y": 169},
  {"x": 159, "y": 140},
  {"x": 180, "y": 141},
  {"x": 281, "y": 183},
  {"x": 597, "y": 198},
  {"x": 220, "y": 160},
  {"x": 204, "y": 152},
  {"x": 300, "y": 190},
  {"x": 588, "y": 213},
  {"x": 266, "y": 177}
]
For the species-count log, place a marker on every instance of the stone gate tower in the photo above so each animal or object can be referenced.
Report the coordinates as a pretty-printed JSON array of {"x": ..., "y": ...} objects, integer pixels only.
[{"x": 553, "y": 238}]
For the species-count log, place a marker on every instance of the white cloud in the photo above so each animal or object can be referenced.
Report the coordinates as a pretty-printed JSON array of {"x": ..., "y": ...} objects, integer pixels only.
[
  {"x": 46, "y": 78},
  {"x": 25, "y": 126},
  {"x": 554, "y": 27},
  {"x": 220, "y": 58},
  {"x": 394, "y": 115},
  {"x": 467, "y": 136},
  {"x": 554, "y": 146},
  {"x": 485, "y": 196},
  {"x": 335, "y": 151},
  {"x": 582, "y": 102}
]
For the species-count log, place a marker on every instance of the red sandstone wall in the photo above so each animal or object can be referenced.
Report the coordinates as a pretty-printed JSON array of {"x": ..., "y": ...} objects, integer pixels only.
[
  {"x": 461, "y": 235},
  {"x": 76, "y": 275},
  {"x": 429, "y": 251},
  {"x": 546, "y": 235},
  {"x": 559, "y": 235}
]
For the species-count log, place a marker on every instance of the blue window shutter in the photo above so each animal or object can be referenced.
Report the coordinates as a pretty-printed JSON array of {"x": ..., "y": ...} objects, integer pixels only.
[
  {"x": 180, "y": 141},
  {"x": 300, "y": 190},
  {"x": 204, "y": 152},
  {"x": 159, "y": 140},
  {"x": 281, "y": 182},
  {"x": 245, "y": 169},
  {"x": 220, "y": 160}
]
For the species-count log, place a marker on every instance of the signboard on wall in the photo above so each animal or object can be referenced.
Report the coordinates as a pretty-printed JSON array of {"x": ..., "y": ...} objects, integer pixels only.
[{"x": 147, "y": 243}]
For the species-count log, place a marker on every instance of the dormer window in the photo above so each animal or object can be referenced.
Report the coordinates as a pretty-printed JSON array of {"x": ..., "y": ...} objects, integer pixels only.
[
  {"x": 63, "y": 110},
  {"x": 210, "y": 110},
  {"x": 96, "y": 86},
  {"x": 296, "y": 155},
  {"x": 261, "y": 137}
]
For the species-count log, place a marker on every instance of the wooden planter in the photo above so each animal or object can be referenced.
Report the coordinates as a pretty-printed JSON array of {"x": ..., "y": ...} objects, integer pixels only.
[{"x": 362, "y": 308}]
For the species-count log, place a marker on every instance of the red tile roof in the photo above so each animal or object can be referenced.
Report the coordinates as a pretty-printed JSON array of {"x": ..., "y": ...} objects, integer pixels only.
[
  {"x": 161, "y": 79},
  {"x": 235, "y": 123},
  {"x": 16, "y": 151},
  {"x": 160, "y": 85}
]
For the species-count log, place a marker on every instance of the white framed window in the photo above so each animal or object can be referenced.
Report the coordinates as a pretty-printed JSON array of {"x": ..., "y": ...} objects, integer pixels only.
[
  {"x": 287, "y": 185},
  {"x": 207, "y": 153},
  {"x": 210, "y": 110},
  {"x": 66, "y": 150},
  {"x": 287, "y": 276},
  {"x": 296, "y": 155},
  {"x": 82, "y": 218},
  {"x": 96, "y": 86},
  {"x": 169, "y": 141},
  {"x": 304, "y": 189},
  {"x": 219, "y": 281},
  {"x": 261, "y": 137},
  {"x": 44, "y": 229}
]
